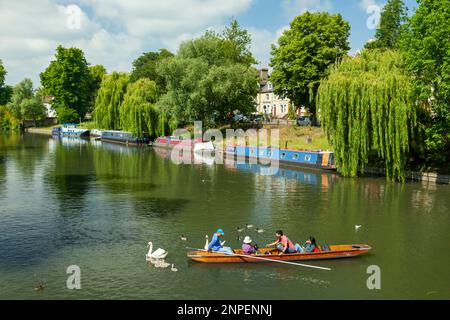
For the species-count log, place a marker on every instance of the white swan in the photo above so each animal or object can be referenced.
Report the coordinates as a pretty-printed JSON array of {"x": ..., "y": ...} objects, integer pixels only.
[
  {"x": 207, "y": 242},
  {"x": 173, "y": 269},
  {"x": 357, "y": 226},
  {"x": 158, "y": 254}
]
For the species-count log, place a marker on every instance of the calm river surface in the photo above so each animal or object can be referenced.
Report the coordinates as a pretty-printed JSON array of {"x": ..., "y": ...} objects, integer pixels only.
[{"x": 74, "y": 202}]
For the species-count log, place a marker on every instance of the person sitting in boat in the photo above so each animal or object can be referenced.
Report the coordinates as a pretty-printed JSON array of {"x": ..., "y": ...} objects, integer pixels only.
[
  {"x": 310, "y": 245},
  {"x": 216, "y": 245},
  {"x": 247, "y": 247},
  {"x": 283, "y": 244}
]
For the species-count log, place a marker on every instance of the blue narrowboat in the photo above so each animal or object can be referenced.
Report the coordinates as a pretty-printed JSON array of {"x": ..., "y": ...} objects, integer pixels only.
[
  {"x": 316, "y": 159},
  {"x": 122, "y": 137}
]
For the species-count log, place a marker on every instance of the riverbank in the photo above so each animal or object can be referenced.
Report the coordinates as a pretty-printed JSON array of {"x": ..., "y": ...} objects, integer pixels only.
[{"x": 40, "y": 130}]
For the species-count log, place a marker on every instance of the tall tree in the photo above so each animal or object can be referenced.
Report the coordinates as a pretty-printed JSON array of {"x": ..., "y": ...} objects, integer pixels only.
[
  {"x": 68, "y": 79},
  {"x": 137, "y": 113},
  {"x": 109, "y": 99},
  {"x": 391, "y": 20},
  {"x": 313, "y": 42},
  {"x": 209, "y": 77},
  {"x": 367, "y": 112},
  {"x": 5, "y": 90},
  {"x": 146, "y": 67},
  {"x": 426, "y": 45},
  {"x": 97, "y": 72}
]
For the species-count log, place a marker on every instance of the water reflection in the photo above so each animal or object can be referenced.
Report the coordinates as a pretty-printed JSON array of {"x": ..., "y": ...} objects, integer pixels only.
[{"x": 65, "y": 201}]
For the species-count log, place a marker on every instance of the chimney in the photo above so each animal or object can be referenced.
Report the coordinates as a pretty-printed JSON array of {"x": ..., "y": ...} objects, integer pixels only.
[{"x": 264, "y": 74}]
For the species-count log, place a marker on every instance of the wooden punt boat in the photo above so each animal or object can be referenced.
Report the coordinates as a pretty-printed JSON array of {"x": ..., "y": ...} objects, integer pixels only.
[{"x": 334, "y": 252}]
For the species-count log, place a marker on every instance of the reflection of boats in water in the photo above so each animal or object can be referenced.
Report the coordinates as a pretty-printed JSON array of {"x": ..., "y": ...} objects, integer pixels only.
[
  {"x": 186, "y": 157},
  {"x": 71, "y": 141},
  {"x": 333, "y": 252}
]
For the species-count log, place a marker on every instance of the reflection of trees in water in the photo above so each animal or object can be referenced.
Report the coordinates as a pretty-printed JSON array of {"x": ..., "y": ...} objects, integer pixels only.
[
  {"x": 71, "y": 173},
  {"x": 135, "y": 173},
  {"x": 25, "y": 151}
]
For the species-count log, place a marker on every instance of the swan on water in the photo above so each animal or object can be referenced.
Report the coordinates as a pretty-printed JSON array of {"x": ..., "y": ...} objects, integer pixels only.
[
  {"x": 173, "y": 268},
  {"x": 157, "y": 254},
  {"x": 249, "y": 226},
  {"x": 239, "y": 229},
  {"x": 259, "y": 230},
  {"x": 183, "y": 237},
  {"x": 357, "y": 226},
  {"x": 207, "y": 242}
]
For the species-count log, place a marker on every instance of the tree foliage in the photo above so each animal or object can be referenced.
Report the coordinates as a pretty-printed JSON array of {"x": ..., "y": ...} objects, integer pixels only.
[
  {"x": 96, "y": 75},
  {"x": 138, "y": 114},
  {"x": 304, "y": 52},
  {"x": 109, "y": 99},
  {"x": 391, "y": 20},
  {"x": 209, "y": 77},
  {"x": 366, "y": 109},
  {"x": 26, "y": 103},
  {"x": 146, "y": 67},
  {"x": 68, "y": 79},
  {"x": 5, "y": 90},
  {"x": 426, "y": 46}
]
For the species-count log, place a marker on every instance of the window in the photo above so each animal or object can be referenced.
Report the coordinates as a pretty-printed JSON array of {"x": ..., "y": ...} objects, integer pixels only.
[
  {"x": 267, "y": 96},
  {"x": 283, "y": 155},
  {"x": 295, "y": 156}
]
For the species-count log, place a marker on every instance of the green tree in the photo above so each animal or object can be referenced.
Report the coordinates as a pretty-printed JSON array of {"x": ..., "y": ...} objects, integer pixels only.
[
  {"x": 313, "y": 42},
  {"x": 109, "y": 99},
  {"x": 26, "y": 103},
  {"x": 137, "y": 113},
  {"x": 146, "y": 67},
  {"x": 5, "y": 90},
  {"x": 210, "y": 77},
  {"x": 392, "y": 18},
  {"x": 367, "y": 112},
  {"x": 68, "y": 79},
  {"x": 426, "y": 46},
  {"x": 97, "y": 72}
]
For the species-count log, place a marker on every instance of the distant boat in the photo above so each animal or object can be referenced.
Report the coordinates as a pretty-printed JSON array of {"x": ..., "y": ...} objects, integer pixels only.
[
  {"x": 73, "y": 130},
  {"x": 122, "y": 137},
  {"x": 172, "y": 141}
]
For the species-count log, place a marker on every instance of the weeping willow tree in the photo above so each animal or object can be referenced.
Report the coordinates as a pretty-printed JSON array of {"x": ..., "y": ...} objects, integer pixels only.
[
  {"x": 109, "y": 99},
  {"x": 138, "y": 113},
  {"x": 367, "y": 112}
]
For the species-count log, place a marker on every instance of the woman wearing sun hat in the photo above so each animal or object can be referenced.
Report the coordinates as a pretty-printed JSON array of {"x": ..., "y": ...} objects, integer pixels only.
[{"x": 247, "y": 247}]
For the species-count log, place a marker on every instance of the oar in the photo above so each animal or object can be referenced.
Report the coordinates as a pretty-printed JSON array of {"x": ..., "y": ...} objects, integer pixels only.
[{"x": 267, "y": 259}]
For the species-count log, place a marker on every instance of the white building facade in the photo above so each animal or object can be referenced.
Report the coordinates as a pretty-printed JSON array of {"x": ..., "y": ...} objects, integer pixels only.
[{"x": 267, "y": 101}]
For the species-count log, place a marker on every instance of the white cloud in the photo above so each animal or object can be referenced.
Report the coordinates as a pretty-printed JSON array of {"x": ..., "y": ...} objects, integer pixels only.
[
  {"x": 295, "y": 7},
  {"x": 112, "y": 33},
  {"x": 262, "y": 41}
]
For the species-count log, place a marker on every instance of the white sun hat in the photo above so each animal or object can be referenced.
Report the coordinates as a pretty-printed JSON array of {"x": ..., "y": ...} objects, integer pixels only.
[{"x": 247, "y": 239}]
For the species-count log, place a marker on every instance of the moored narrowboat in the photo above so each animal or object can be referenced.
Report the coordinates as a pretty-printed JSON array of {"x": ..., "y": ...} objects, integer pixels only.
[
  {"x": 306, "y": 158},
  {"x": 172, "y": 141},
  {"x": 72, "y": 130},
  {"x": 123, "y": 137}
]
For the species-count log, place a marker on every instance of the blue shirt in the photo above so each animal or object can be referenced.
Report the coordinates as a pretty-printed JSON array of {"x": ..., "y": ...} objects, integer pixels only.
[{"x": 215, "y": 243}]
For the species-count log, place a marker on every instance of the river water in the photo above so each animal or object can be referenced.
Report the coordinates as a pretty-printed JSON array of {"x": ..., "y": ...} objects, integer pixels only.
[{"x": 95, "y": 205}]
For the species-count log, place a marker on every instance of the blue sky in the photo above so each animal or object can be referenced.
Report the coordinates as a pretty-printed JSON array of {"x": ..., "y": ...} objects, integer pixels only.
[{"x": 115, "y": 32}]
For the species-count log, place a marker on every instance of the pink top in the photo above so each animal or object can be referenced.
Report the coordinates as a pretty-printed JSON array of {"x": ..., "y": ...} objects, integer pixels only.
[{"x": 285, "y": 241}]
